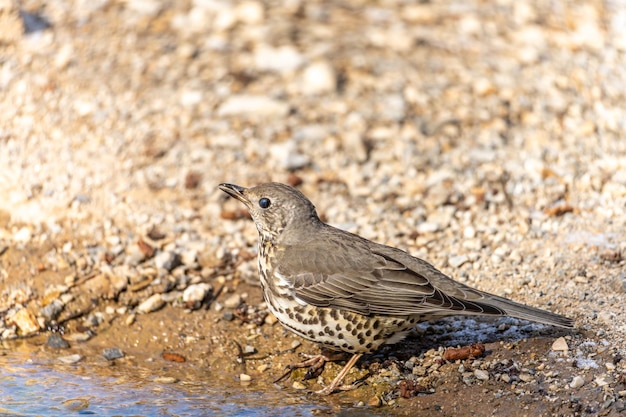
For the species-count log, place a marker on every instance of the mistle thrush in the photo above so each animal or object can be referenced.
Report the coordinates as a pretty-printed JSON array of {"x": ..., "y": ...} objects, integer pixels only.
[{"x": 346, "y": 292}]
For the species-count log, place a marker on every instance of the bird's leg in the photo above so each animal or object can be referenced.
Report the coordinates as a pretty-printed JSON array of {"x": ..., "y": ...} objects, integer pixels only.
[
  {"x": 335, "y": 384},
  {"x": 315, "y": 363}
]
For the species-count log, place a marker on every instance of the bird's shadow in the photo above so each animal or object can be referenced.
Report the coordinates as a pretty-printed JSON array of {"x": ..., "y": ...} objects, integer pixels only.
[{"x": 462, "y": 331}]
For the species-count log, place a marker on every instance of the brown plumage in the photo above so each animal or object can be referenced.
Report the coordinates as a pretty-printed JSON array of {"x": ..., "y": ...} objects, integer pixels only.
[{"x": 346, "y": 292}]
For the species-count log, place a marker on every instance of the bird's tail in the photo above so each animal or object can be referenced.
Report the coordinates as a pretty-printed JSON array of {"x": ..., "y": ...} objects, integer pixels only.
[{"x": 521, "y": 311}]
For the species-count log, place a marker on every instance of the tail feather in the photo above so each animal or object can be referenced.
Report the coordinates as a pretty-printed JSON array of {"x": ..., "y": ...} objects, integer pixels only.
[{"x": 521, "y": 311}]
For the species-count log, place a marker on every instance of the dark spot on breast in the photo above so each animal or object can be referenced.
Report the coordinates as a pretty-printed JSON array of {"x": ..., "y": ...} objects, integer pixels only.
[
  {"x": 340, "y": 336},
  {"x": 338, "y": 327}
]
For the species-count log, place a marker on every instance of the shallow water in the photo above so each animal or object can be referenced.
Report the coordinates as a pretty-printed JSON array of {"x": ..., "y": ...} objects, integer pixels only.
[{"x": 30, "y": 386}]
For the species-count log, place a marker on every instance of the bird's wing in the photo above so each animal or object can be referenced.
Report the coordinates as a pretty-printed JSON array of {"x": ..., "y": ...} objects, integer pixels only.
[
  {"x": 354, "y": 274},
  {"x": 367, "y": 278}
]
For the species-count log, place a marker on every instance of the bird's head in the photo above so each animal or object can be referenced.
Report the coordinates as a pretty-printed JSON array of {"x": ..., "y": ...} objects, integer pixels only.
[{"x": 274, "y": 207}]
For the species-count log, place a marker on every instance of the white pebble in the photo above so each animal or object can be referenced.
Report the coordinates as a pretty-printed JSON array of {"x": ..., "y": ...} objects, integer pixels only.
[
  {"x": 560, "y": 345},
  {"x": 252, "y": 105},
  {"x": 577, "y": 382},
  {"x": 318, "y": 78},
  {"x": 153, "y": 303},
  {"x": 481, "y": 374}
]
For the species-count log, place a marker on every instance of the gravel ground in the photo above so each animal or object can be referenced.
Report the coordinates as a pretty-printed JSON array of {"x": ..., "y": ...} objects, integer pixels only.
[{"x": 485, "y": 137}]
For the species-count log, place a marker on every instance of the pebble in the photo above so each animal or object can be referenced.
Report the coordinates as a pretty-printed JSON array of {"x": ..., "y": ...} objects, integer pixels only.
[
  {"x": 526, "y": 377},
  {"x": 577, "y": 382},
  {"x": 298, "y": 385},
  {"x": 233, "y": 301},
  {"x": 245, "y": 378},
  {"x": 70, "y": 358},
  {"x": 481, "y": 374},
  {"x": 57, "y": 342},
  {"x": 25, "y": 321},
  {"x": 23, "y": 235},
  {"x": 80, "y": 336},
  {"x": 195, "y": 294},
  {"x": 560, "y": 345},
  {"x": 287, "y": 156},
  {"x": 153, "y": 303},
  {"x": 457, "y": 260},
  {"x": 112, "y": 353},
  {"x": 318, "y": 78},
  {"x": 165, "y": 380},
  {"x": 283, "y": 59},
  {"x": 167, "y": 260},
  {"x": 252, "y": 106}
]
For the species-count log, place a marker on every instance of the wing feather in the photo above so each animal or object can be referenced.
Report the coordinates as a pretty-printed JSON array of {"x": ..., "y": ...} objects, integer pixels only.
[{"x": 345, "y": 271}]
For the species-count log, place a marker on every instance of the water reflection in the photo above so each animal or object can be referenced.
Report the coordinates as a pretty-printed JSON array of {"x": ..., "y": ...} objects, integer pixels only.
[{"x": 30, "y": 385}]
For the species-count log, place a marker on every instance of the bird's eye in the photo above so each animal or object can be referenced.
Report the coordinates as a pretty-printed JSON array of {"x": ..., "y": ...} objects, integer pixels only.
[{"x": 264, "y": 203}]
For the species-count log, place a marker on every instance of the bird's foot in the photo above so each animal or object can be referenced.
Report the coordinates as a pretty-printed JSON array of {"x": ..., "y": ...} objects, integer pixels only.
[
  {"x": 335, "y": 385},
  {"x": 315, "y": 363}
]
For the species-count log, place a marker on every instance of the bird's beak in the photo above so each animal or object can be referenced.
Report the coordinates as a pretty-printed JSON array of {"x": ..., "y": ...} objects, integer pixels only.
[{"x": 235, "y": 191}]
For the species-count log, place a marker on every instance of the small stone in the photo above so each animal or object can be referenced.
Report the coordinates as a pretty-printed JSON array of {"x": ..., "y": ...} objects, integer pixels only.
[
  {"x": 165, "y": 380},
  {"x": 249, "y": 350},
  {"x": 427, "y": 227},
  {"x": 130, "y": 319},
  {"x": 70, "y": 359},
  {"x": 80, "y": 336},
  {"x": 233, "y": 301},
  {"x": 112, "y": 353},
  {"x": 167, "y": 260},
  {"x": 57, "y": 342},
  {"x": 375, "y": 401},
  {"x": 189, "y": 257},
  {"x": 283, "y": 59},
  {"x": 250, "y": 12},
  {"x": 228, "y": 316},
  {"x": 25, "y": 321},
  {"x": 153, "y": 303},
  {"x": 270, "y": 319},
  {"x": 601, "y": 381},
  {"x": 295, "y": 344},
  {"x": 481, "y": 374},
  {"x": 263, "y": 367},
  {"x": 560, "y": 345},
  {"x": 245, "y": 378},
  {"x": 506, "y": 378},
  {"x": 318, "y": 78},
  {"x": 252, "y": 106},
  {"x": 298, "y": 385},
  {"x": 23, "y": 235},
  {"x": 525, "y": 377},
  {"x": 194, "y": 295},
  {"x": 577, "y": 382},
  {"x": 457, "y": 260},
  {"x": 469, "y": 232},
  {"x": 287, "y": 156}
]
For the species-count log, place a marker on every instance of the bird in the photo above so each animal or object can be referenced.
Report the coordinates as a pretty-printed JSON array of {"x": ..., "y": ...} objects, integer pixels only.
[{"x": 346, "y": 292}]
